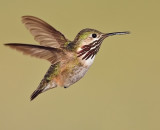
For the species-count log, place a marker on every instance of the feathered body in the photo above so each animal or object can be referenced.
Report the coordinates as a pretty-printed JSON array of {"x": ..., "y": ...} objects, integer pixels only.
[{"x": 70, "y": 60}]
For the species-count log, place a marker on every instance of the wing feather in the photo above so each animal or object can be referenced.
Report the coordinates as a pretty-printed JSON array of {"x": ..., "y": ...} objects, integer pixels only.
[
  {"x": 51, "y": 54},
  {"x": 44, "y": 33}
]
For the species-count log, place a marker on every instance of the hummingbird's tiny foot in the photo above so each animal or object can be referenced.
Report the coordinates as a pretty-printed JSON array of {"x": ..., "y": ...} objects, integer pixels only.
[{"x": 65, "y": 87}]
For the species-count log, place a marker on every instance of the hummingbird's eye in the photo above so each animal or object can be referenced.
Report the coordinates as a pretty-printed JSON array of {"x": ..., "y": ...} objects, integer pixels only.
[{"x": 94, "y": 35}]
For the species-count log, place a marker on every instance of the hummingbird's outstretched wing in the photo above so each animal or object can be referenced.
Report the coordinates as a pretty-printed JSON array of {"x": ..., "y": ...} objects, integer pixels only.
[
  {"x": 51, "y": 54},
  {"x": 44, "y": 33}
]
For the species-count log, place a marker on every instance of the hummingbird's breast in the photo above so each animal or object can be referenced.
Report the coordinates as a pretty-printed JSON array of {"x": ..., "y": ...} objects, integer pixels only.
[
  {"x": 87, "y": 62},
  {"x": 73, "y": 70}
]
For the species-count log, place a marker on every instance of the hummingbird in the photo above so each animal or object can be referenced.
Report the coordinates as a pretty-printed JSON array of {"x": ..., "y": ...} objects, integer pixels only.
[{"x": 70, "y": 60}]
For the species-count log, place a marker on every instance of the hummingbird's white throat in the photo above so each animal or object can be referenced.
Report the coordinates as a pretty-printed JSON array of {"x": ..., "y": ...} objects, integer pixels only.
[
  {"x": 89, "y": 48},
  {"x": 85, "y": 62}
]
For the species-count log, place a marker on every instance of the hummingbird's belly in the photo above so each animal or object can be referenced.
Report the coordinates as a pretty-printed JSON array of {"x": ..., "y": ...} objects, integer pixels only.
[{"x": 76, "y": 74}]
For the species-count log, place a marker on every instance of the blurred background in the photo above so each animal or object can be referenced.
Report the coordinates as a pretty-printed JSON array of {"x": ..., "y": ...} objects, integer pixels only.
[{"x": 121, "y": 89}]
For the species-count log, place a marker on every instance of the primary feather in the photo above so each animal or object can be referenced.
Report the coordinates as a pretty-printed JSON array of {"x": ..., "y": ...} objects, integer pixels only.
[
  {"x": 44, "y": 33},
  {"x": 48, "y": 53}
]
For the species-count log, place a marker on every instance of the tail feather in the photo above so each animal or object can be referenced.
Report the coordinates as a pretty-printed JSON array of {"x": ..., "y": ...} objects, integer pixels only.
[
  {"x": 36, "y": 93},
  {"x": 46, "y": 83}
]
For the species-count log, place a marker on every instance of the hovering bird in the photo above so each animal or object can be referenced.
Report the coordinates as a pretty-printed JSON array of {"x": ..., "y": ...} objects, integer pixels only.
[{"x": 70, "y": 60}]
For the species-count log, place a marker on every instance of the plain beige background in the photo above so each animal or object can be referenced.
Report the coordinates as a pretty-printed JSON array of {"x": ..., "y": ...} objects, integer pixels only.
[{"x": 121, "y": 89}]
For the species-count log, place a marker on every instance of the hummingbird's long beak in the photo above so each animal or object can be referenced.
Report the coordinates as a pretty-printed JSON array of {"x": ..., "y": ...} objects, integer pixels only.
[{"x": 116, "y": 33}]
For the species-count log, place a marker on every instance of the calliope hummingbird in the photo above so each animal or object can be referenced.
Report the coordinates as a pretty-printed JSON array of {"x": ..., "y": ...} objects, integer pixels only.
[{"x": 70, "y": 60}]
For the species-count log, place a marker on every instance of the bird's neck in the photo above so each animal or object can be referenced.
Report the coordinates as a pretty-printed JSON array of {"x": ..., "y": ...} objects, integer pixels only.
[
  {"x": 82, "y": 52},
  {"x": 88, "y": 50},
  {"x": 85, "y": 52}
]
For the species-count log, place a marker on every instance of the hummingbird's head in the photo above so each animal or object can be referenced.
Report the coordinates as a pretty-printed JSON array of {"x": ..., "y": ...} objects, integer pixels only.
[{"x": 88, "y": 42}]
